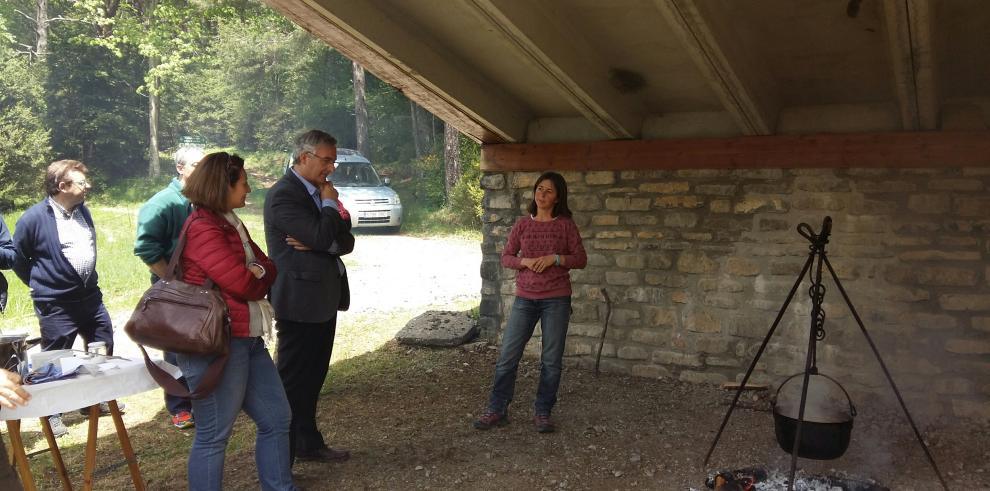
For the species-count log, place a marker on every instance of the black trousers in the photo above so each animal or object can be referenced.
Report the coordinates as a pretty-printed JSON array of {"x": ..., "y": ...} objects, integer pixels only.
[
  {"x": 8, "y": 477},
  {"x": 303, "y": 360},
  {"x": 61, "y": 322}
]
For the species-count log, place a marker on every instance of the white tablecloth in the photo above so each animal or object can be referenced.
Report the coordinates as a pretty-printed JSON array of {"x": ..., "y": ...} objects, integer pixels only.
[{"x": 128, "y": 378}]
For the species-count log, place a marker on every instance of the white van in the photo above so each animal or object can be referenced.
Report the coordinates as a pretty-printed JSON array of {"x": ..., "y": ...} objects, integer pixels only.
[{"x": 366, "y": 196}]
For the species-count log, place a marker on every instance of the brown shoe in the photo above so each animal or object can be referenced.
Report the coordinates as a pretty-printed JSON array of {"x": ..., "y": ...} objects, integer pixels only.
[{"x": 325, "y": 455}]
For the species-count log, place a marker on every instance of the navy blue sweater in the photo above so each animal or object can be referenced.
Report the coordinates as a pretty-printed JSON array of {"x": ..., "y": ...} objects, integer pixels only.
[
  {"x": 40, "y": 263},
  {"x": 7, "y": 251}
]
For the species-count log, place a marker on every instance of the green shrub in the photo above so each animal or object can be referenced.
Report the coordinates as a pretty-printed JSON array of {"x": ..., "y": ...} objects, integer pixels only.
[{"x": 24, "y": 139}]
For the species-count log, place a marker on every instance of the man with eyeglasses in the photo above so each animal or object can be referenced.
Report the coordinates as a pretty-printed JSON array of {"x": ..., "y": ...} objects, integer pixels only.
[
  {"x": 56, "y": 257},
  {"x": 307, "y": 230}
]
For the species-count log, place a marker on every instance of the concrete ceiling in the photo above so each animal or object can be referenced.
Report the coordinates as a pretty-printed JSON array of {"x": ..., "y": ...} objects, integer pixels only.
[{"x": 584, "y": 70}]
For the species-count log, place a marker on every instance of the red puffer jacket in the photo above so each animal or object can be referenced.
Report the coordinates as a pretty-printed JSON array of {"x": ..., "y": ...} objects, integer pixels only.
[{"x": 213, "y": 250}]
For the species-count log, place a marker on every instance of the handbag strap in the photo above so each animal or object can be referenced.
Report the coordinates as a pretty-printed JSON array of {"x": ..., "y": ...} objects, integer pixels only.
[
  {"x": 171, "y": 386},
  {"x": 173, "y": 262}
]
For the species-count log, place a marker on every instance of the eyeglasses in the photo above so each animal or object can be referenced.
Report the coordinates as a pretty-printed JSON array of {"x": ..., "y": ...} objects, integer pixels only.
[
  {"x": 82, "y": 183},
  {"x": 323, "y": 160}
]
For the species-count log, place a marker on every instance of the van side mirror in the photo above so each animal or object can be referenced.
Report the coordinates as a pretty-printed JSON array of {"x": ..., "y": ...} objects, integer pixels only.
[{"x": 387, "y": 181}]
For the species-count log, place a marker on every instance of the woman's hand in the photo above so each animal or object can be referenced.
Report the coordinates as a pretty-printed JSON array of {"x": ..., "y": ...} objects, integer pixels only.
[
  {"x": 538, "y": 264},
  {"x": 256, "y": 270},
  {"x": 295, "y": 244}
]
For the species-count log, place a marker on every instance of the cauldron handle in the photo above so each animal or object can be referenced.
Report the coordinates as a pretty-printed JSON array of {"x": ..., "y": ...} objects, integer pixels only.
[{"x": 852, "y": 407}]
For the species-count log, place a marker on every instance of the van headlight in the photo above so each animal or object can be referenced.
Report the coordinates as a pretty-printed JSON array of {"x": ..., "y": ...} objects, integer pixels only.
[{"x": 395, "y": 200}]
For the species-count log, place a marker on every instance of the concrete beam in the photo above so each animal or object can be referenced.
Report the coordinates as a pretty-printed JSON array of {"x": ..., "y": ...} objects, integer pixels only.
[
  {"x": 567, "y": 61},
  {"x": 746, "y": 91},
  {"x": 910, "y": 29},
  {"x": 425, "y": 72},
  {"x": 937, "y": 149}
]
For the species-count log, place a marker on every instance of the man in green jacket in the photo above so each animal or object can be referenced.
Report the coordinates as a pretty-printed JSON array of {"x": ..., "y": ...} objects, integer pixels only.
[{"x": 159, "y": 224}]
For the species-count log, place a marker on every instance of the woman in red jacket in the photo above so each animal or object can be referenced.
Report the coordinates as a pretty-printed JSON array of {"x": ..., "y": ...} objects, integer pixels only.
[{"x": 219, "y": 248}]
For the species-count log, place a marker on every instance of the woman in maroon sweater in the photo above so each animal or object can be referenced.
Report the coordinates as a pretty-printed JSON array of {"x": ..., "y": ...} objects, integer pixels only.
[
  {"x": 219, "y": 248},
  {"x": 543, "y": 247}
]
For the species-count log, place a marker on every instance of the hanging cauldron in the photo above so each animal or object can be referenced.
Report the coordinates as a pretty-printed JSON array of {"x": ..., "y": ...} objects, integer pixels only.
[
  {"x": 828, "y": 417},
  {"x": 13, "y": 351}
]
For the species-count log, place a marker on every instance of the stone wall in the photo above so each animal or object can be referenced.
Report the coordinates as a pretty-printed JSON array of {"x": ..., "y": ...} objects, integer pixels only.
[{"x": 698, "y": 263}]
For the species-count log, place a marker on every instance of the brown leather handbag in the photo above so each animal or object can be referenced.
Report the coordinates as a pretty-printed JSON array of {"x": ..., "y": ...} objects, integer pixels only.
[{"x": 179, "y": 317}]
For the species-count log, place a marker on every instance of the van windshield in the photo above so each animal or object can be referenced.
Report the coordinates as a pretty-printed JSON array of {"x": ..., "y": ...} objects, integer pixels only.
[{"x": 349, "y": 174}]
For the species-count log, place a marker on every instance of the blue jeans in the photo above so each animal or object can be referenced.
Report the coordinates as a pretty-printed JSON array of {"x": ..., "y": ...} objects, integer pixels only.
[
  {"x": 249, "y": 382},
  {"x": 553, "y": 315}
]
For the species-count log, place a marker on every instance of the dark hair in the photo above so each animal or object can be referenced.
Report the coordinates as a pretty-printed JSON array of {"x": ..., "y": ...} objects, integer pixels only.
[
  {"x": 308, "y": 141},
  {"x": 209, "y": 186},
  {"x": 56, "y": 172},
  {"x": 559, "y": 209}
]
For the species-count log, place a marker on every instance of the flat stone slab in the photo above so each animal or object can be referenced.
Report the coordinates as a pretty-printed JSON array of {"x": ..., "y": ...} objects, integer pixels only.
[{"x": 439, "y": 328}]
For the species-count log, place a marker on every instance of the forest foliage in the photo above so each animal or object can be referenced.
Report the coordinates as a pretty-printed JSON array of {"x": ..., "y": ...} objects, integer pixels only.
[{"x": 232, "y": 72}]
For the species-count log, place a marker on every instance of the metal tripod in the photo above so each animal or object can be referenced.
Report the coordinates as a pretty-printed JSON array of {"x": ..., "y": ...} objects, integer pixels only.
[{"x": 817, "y": 258}]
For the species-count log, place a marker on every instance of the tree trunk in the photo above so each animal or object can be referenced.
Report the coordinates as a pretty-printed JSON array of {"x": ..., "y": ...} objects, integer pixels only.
[
  {"x": 451, "y": 158},
  {"x": 41, "y": 29},
  {"x": 154, "y": 167},
  {"x": 360, "y": 110},
  {"x": 415, "y": 129}
]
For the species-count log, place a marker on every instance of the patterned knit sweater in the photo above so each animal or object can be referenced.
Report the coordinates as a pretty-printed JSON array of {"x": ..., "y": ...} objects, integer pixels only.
[{"x": 529, "y": 239}]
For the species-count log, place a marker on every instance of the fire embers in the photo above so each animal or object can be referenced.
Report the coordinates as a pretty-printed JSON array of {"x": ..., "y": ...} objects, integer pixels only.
[
  {"x": 760, "y": 479},
  {"x": 737, "y": 480}
]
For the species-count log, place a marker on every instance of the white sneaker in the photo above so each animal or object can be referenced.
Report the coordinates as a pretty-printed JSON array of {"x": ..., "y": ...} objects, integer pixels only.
[{"x": 58, "y": 427}]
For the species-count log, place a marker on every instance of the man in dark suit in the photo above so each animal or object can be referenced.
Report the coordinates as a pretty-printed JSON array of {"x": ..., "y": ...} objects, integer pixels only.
[{"x": 307, "y": 230}]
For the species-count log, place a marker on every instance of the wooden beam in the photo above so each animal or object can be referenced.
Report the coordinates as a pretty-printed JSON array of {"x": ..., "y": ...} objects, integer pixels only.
[
  {"x": 567, "y": 61},
  {"x": 896, "y": 150},
  {"x": 912, "y": 53},
  {"x": 746, "y": 90},
  {"x": 425, "y": 72}
]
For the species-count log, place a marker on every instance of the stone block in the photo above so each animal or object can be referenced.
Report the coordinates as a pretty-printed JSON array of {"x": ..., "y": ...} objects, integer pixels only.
[
  {"x": 627, "y": 203},
  {"x": 650, "y": 371},
  {"x": 640, "y": 294},
  {"x": 686, "y": 201},
  {"x": 580, "y": 347},
  {"x": 752, "y": 204},
  {"x": 701, "y": 321},
  {"x": 680, "y": 219},
  {"x": 972, "y": 206},
  {"x": 588, "y": 276},
  {"x": 817, "y": 184},
  {"x": 892, "y": 186},
  {"x": 722, "y": 361},
  {"x": 659, "y": 260},
  {"x": 641, "y": 219},
  {"x": 697, "y": 236},
  {"x": 951, "y": 241},
  {"x": 721, "y": 301},
  {"x": 668, "y": 280},
  {"x": 819, "y": 202},
  {"x": 968, "y": 346},
  {"x": 953, "y": 386},
  {"x": 680, "y": 297},
  {"x": 655, "y": 337},
  {"x": 584, "y": 202},
  {"x": 929, "y": 203},
  {"x": 739, "y": 266},
  {"x": 716, "y": 189},
  {"x": 703, "y": 173},
  {"x": 668, "y": 187},
  {"x": 660, "y": 316},
  {"x": 955, "y": 184},
  {"x": 768, "y": 174},
  {"x": 605, "y": 220},
  {"x": 696, "y": 262},
  {"x": 939, "y": 255},
  {"x": 928, "y": 321},
  {"x": 438, "y": 328},
  {"x": 613, "y": 245},
  {"x": 633, "y": 353},
  {"x": 614, "y": 234},
  {"x": 525, "y": 180},
  {"x": 716, "y": 345},
  {"x": 702, "y": 377},
  {"x": 598, "y": 178},
  {"x": 665, "y": 357},
  {"x": 981, "y": 323},
  {"x": 500, "y": 202},
  {"x": 493, "y": 181},
  {"x": 625, "y": 317},
  {"x": 965, "y": 302},
  {"x": 720, "y": 206},
  {"x": 621, "y": 278},
  {"x": 767, "y": 188},
  {"x": 773, "y": 224}
]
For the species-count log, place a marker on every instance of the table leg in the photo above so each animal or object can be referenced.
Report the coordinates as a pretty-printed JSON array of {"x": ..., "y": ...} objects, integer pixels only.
[
  {"x": 20, "y": 457},
  {"x": 90, "y": 467},
  {"x": 46, "y": 428},
  {"x": 125, "y": 445}
]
